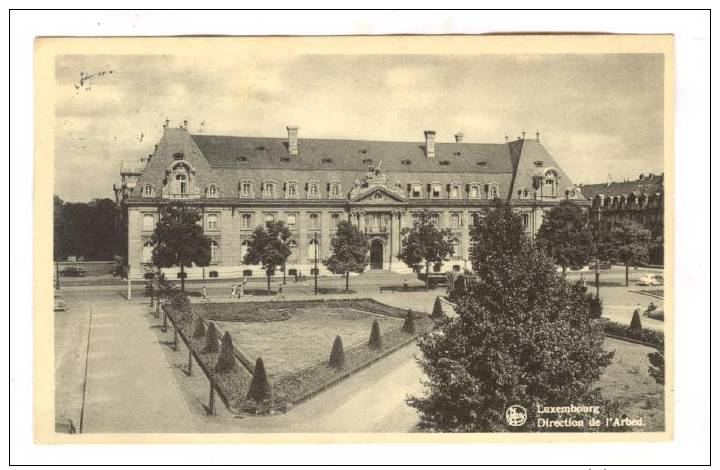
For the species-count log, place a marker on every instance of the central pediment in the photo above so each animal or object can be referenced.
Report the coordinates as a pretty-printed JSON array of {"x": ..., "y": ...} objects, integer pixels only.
[{"x": 378, "y": 195}]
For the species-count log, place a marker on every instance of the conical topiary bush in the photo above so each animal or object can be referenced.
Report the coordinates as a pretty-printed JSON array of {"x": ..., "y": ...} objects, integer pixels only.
[
  {"x": 199, "y": 331},
  {"x": 437, "y": 311},
  {"x": 259, "y": 387},
  {"x": 211, "y": 339},
  {"x": 226, "y": 361},
  {"x": 409, "y": 325},
  {"x": 375, "y": 341},
  {"x": 337, "y": 355},
  {"x": 635, "y": 322}
]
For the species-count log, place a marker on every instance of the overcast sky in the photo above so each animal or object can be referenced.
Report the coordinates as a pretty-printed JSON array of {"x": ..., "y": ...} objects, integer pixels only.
[{"x": 598, "y": 115}]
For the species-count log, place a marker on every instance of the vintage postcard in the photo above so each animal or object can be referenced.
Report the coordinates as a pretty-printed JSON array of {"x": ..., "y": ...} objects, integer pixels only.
[{"x": 354, "y": 239}]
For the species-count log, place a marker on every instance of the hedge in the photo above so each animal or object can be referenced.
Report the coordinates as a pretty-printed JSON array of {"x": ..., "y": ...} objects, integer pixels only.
[{"x": 651, "y": 337}]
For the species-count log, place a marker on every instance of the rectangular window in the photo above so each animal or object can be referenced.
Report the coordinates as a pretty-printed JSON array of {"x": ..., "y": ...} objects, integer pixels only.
[
  {"x": 292, "y": 190},
  {"x": 335, "y": 220},
  {"x": 291, "y": 221},
  {"x": 245, "y": 189},
  {"x": 247, "y": 221},
  {"x": 416, "y": 191},
  {"x": 436, "y": 191},
  {"x": 455, "y": 191},
  {"x": 526, "y": 220},
  {"x": 314, "y": 221},
  {"x": 269, "y": 218},
  {"x": 212, "y": 222},
  {"x": 454, "y": 220},
  {"x": 148, "y": 223}
]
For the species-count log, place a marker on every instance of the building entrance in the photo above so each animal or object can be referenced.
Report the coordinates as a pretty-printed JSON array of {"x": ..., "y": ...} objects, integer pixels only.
[{"x": 376, "y": 254}]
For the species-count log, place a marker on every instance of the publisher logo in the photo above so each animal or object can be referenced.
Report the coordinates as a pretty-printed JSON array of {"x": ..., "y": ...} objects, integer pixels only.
[{"x": 516, "y": 415}]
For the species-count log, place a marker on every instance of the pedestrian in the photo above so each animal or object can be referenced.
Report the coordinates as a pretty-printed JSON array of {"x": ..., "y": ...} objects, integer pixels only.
[
  {"x": 405, "y": 285},
  {"x": 241, "y": 288},
  {"x": 232, "y": 292},
  {"x": 204, "y": 294}
]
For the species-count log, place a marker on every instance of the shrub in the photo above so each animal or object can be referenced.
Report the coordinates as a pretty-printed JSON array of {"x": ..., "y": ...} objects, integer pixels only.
[
  {"x": 657, "y": 366},
  {"x": 226, "y": 360},
  {"x": 635, "y": 322},
  {"x": 409, "y": 325},
  {"x": 337, "y": 355},
  {"x": 199, "y": 331},
  {"x": 437, "y": 311},
  {"x": 656, "y": 338},
  {"x": 211, "y": 339},
  {"x": 375, "y": 336},
  {"x": 595, "y": 305},
  {"x": 259, "y": 387}
]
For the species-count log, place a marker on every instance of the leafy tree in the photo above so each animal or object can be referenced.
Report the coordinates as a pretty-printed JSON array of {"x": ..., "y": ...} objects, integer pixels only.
[
  {"x": 349, "y": 252},
  {"x": 602, "y": 250},
  {"x": 268, "y": 247},
  {"x": 58, "y": 228},
  {"x": 631, "y": 241},
  {"x": 87, "y": 229},
  {"x": 657, "y": 366},
  {"x": 179, "y": 241},
  {"x": 259, "y": 387},
  {"x": 497, "y": 233},
  {"x": 566, "y": 235},
  {"x": 337, "y": 355},
  {"x": 199, "y": 330},
  {"x": 595, "y": 305},
  {"x": 226, "y": 360},
  {"x": 425, "y": 243},
  {"x": 523, "y": 335},
  {"x": 375, "y": 341}
]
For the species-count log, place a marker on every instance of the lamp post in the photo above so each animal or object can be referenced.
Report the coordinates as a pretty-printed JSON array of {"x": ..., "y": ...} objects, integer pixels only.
[
  {"x": 316, "y": 261},
  {"x": 57, "y": 276}
]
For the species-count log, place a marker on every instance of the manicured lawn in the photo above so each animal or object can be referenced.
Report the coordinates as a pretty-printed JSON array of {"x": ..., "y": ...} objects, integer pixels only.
[
  {"x": 628, "y": 381},
  {"x": 306, "y": 338}
]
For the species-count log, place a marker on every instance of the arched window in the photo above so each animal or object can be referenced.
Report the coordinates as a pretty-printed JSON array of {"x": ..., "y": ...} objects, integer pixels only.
[
  {"x": 214, "y": 252},
  {"x": 291, "y": 189},
  {"x": 181, "y": 183},
  {"x": 455, "y": 220},
  {"x": 492, "y": 190},
  {"x": 292, "y": 244},
  {"x": 291, "y": 220},
  {"x": 212, "y": 191},
  {"x": 147, "y": 250},
  {"x": 571, "y": 193},
  {"x": 269, "y": 189},
  {"x": 313, "y": 247},
  {"x": 525, "y": 220},
  {"x": 245, "y": 189},
  {"x": 313, "y": 189},
  {"x": 455, "y": 191},
  {"x": 314, "y": 221},
  {"x": 148, "y": 191},
  {"x": 335, "y": 189},
  {"x": 436, "y": 191},
  {"x": 474, "y": 191},
  {"x": 455, "y": 244},
  {"x": 551, "y": 183}
]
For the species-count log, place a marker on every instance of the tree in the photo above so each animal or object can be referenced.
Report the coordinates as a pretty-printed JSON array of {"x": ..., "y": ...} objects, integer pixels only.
[
  {"x": 631, "y": 241},
  {"x": 211, "y": 339},
  {"x": 602, "y": 250},
  {"x": 179, "y": 241},
  {"x": 522, "y": 335},
  {"x": 656, "y": 369},
  {"x": 259, "y": 387},
  {"x": 337, "y": 355},
  {"x": 497, "y": 233},
  {"x": 409, "y": 323},
  {"x": 226, "y": 361},
  {"x": 199, "y": 330},
  {"x": 375, "y": 341},
  {"x": 595, "y": 305},
  {"x": 437, "y": 311},
  {"x": 566, "y": 235},
  {"x": 268, "y": 247},
  {"x": 425, "y": 243},
  {"x": 635, "y": 323},
  {"x": 349, "y": 252}
]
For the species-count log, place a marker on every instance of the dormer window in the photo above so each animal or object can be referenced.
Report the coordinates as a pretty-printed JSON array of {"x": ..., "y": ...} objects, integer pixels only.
[
  {"x": 178, "y": 156},
  {"x": 455, "y": 191},
  {"x": 335, "y": 189},
  {"x": 405, "y": 162},
  {"x": 523, "y": 193},
  {"x": 367, "y": 161},
  {"x": 313, "y": 189},
  {"x": 148, "y": 191},
  {"x": 474, "y": 191},
  {"x": 181, "y": 183},
  {"x": 362, "y": 151},
  {"x": 444, "y": 162},
  {"x": 245, "y": 189},
  {"x": 212, "y": 191},
  {"x": 291, "y": 189},
  {"x": 242, "y": 159},
  {"x": 492, "y": 191},
  {"x": 436, "y": 191},
  {"x": 284, "y": 159},
  {"x": 269, "y": 189},
  {"x": 327, "y": 160},
  {"x": 550, "y": 188},
  {"x": 416, "y": 191},
  {"x": 482, "y": 163},
  {"x": 457, "y": 154}
]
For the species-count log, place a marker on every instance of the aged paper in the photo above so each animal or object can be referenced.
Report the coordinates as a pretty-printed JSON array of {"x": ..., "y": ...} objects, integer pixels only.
[{"x": 310, "y": 132}]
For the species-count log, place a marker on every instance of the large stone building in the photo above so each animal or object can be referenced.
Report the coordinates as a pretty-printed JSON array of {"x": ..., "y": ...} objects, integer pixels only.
[{"x": 312, "y": 184}]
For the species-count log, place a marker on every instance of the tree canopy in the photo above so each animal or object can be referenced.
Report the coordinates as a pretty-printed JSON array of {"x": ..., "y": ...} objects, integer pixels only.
[
  {"x": 496, "y": 233},
  {"x": 178, "y": 240},
  {"x": 349, "y": 251},
  {"x": 631, "y": 243},
  {"x": 425, "y": 244},
  {"x": 268, "y": 246},
  {"x": 566, "y": 235},
  {"x": 87, "y": 229}
]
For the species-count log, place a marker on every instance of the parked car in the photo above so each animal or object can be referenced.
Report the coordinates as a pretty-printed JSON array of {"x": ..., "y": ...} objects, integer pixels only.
[
  {"x": 59, "y": 304},
  {"x": 650, "y": 280},
  {"x": 73, "y": 272}
]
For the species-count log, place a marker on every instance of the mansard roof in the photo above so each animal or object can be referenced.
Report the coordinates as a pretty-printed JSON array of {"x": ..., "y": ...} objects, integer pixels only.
[{"x": 648, "y": 184}]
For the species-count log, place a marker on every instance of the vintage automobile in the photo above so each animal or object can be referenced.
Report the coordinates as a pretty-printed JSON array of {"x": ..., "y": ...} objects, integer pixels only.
[
  {"x": 59, "y": 304},
  {"x": 650, "y": 280},
  {"x": 73, "y": 272}
]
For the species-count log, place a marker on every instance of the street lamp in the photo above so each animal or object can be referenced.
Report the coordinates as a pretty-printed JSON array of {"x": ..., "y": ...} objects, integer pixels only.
[
  {"x": 57, "y": 276},
  {"x": 316, "y": 262}
]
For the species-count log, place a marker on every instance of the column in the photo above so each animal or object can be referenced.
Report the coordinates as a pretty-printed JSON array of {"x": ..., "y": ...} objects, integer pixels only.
[
  {"x": 324, "y": 234},
  {"x": 465, "y": 252},
  {"x": 302, "y": 249}
]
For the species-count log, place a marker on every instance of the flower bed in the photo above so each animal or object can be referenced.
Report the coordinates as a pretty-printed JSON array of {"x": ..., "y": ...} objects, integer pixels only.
[
  {"x": 643, "y": 335},
  {"x": 242, "y": 312},
  {"x": 225, "y": 311},
  {"x": 304, "y": 384}
]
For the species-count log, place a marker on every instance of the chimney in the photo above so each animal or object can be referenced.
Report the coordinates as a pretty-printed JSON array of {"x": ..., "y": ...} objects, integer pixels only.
[
  {"x": 506, "y": 139},
  {"x": 292, "y": 140},
  {"x": 430, "y": 144},
  {"x": 185, "y": 123},
  {"x": 167, "y": 123},
  {"x": 523, "y": 135},
  {"x": 459, "y": 137},
  {"x": 537, "y": 136}
]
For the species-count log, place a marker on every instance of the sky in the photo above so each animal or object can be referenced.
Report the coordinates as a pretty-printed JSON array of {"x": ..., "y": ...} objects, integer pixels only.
[{"x": 600, "y": 116}]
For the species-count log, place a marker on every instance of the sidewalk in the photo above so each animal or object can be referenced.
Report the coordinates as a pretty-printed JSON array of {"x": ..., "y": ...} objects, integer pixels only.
[{"x": 130, "y": 387}]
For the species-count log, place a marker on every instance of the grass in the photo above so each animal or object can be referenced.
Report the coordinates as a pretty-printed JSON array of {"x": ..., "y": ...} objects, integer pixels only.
[{"x": 627, "y": 381}]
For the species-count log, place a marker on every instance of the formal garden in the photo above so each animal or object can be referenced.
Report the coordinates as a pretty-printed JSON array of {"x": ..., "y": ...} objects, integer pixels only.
[{"x": 264, "y": 357}]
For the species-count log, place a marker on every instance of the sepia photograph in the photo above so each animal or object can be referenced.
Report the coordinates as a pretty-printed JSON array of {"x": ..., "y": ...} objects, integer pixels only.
[{"x": 352, "y": 237}]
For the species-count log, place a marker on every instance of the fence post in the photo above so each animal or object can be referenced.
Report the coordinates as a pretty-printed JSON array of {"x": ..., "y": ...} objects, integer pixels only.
[
  {"x": 175, "y": 335},
  {"x": 211, "y": 401},
  {"x": 189, "y": 367},
  {"x": 157, "y": 308},
  {"x": 164, "y": 325}
]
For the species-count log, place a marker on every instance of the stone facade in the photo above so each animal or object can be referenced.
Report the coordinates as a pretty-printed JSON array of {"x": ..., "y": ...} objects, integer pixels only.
[{"x": 312, "y": 184}]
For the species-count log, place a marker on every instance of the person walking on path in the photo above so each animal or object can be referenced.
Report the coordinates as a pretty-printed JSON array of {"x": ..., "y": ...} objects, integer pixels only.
[{"x": 204, "y": 294}]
